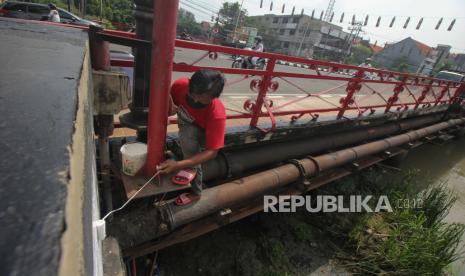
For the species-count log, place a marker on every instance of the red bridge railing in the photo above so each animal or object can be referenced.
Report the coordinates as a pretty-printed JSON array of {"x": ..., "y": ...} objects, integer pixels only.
[{"x": 394, "y": 91}]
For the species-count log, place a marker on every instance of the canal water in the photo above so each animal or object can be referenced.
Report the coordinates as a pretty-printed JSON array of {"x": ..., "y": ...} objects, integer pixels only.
[{"x": 444, "y": 164}]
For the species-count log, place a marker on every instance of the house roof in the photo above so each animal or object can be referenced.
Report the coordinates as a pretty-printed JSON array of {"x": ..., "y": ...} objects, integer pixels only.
[
  {"x": 424, "y": 49},
  {"x": 375, "y": 48}
]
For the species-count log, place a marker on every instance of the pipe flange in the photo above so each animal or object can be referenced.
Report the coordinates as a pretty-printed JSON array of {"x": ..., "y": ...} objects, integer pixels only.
[
  {"x": 317, "y": 166},
  {"x": 229, "y": 164},
  {"x": 300, "y": 167}
]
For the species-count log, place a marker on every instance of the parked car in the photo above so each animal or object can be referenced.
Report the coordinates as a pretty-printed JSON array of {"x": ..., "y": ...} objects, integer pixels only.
[
  {"x": 33, "y": 11},
  {"x": 450, "y": 76}
]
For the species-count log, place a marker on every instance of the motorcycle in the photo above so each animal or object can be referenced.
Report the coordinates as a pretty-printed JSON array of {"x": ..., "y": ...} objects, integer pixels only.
[{"x": 248, "y": 62}]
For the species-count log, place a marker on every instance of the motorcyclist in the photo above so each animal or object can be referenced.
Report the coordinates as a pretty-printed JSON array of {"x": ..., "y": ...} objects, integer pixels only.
[
  {"x": 185, "y": 35},
  {"x": 367, "y": 64},
  {"x": 258, "y": 46}
]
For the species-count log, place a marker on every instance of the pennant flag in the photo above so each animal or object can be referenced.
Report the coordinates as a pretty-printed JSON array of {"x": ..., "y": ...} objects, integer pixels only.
[
  {"x": 378, "y": 21},
  {"x": 366, "y": 21},
  {"x": 406, "y": 22},
  {"x": 451, "y": 25},
  {"x": 342, "y": 18},
  {"x": 313, "y": 13},
  {"x": 392, "y": 22},
  {"x": 439, "y": 24},
  {"x": 261, "y": 4},
  {"x": 419, "y": 23},
  {"x": 282, "y": 11}
]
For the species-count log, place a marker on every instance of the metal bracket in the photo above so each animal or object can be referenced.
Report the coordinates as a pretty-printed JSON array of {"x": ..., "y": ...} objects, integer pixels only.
[
  {"x": 224, "y": 217},
  {"x": 303, "y": 174}
]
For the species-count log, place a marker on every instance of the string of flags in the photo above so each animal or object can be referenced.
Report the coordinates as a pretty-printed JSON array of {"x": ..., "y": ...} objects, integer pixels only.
[{"x": 366, "y": 20}]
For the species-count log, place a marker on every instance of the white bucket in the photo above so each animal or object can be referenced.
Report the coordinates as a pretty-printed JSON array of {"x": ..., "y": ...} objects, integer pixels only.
[{"x": 133, "y": 157}]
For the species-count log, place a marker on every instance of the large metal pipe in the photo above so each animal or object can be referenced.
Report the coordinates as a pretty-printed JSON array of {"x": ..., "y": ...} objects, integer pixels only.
[
  {"x": 163, "y": 36},
  {"x": 248, "y": 188},
  {"x": 243, "y": 160}
]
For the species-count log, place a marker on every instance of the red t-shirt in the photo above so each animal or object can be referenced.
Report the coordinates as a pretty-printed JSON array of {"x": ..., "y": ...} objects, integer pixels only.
[{"x": 211, "y": 118}]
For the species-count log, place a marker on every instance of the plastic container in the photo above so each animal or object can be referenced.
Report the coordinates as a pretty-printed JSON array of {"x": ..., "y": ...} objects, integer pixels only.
[{"x": 133, "y": 157}]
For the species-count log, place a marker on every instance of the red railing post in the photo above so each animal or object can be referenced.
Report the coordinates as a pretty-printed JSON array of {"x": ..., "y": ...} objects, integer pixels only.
[
  {"x": 458, "y": 92},
  {"x": 352, "y": 88},
  {"x": 397, "y": 90},
  {"x": 163, "y": 36},
  {"x": 425, "y": 91},
  {"x": 442, "y": 94},
  {"x": 266, "y": 80}
]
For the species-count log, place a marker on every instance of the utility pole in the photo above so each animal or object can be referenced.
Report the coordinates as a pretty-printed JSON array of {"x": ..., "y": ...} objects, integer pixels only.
[
  {"x": 237, "y": 20},
  {"x": 303, "y": 38},
  {"x": 357, "y": 29},
  {"x": 329, "y": 10}
]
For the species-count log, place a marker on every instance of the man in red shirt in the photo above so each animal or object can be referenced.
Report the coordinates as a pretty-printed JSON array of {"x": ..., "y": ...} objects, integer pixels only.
[{"x": 201, "y": 122}]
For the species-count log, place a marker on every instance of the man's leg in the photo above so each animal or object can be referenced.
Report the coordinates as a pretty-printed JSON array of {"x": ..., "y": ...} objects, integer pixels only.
[{"x": 191, "y": 140}]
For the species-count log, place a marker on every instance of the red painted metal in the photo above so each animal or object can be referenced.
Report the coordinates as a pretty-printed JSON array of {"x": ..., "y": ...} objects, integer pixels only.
[
  {"x": 320, "y": 70},
  {"x": 459, "y": 91},
  {"x": 441, "y": 94},
  {"x": 353, "y": 87},
  {"x": 264, "y": 86},
  {"x": 99, "y": 51},
  {"x": 122, "y": 63},
  {"x": 395, "y": 97},
  {"x": 425, "y": 91},
  {"x": 163, "y": 36}
]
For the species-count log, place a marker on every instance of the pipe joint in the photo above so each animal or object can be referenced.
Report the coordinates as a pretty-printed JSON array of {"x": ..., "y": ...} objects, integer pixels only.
[{"x": 302, "y": 172}]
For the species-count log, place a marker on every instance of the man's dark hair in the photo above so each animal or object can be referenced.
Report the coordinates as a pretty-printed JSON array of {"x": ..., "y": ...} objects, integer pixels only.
[{"x": 206, "y": 81}]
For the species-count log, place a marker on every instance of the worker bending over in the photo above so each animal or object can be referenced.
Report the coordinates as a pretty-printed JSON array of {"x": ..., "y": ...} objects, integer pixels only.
[{"x": 201, "y": 122}]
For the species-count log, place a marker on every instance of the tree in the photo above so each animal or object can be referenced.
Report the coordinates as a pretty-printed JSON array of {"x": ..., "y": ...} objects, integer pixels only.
[
  {"x": 359, "y": 54},
  {"x": 228, "y": 16},
  {"x": 269, "y": 35},
  {"x": 186, "y": 22},
  {"x": 401, "y": 64}
]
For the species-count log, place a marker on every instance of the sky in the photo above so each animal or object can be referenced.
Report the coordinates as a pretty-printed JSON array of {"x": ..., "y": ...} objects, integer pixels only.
[{"x": 430, "y": 10}]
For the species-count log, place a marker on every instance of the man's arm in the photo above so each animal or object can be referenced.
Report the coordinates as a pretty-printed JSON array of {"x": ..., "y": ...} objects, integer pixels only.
[
  {"x": 170, "y": 166},
  {"x": 172, "y": 109}
]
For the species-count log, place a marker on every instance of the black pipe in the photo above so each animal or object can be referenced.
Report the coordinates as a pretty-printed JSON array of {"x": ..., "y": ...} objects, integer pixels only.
[{"x": 236, "y": 163}]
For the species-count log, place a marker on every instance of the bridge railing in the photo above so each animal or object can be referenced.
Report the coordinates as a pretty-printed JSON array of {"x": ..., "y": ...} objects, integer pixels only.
[
  {"x": 316, "y": 87},
  {"x": 348, "y": 91}
]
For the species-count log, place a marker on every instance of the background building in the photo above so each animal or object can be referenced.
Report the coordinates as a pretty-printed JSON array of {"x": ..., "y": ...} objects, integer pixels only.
[
  {"x": 413, "y": 56},
  {"x": 300, "y": 35}
]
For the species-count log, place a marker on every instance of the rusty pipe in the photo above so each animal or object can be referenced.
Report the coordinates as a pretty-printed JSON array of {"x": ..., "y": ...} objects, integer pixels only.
[
  {"x": 238, "y": 162},
  {"x": 242, "y": 190}
]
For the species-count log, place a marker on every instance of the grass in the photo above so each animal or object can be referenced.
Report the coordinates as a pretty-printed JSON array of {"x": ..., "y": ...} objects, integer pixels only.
[{"x": 408, "y": 241}]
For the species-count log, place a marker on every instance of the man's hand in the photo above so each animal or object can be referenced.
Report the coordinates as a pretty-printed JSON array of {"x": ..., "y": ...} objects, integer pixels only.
[
  {"x": 172, "y": 109},
  {"x": 169, "y": 166}
]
